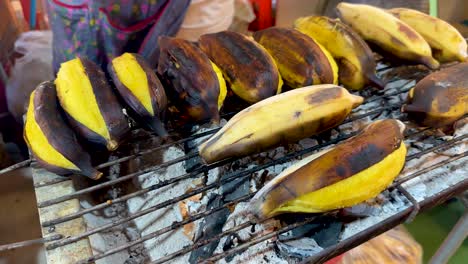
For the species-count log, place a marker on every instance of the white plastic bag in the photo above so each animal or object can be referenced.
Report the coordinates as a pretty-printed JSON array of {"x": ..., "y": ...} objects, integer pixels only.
[
  {"x": 34, "y": 67},
  {"x": 206, "y": 16}
]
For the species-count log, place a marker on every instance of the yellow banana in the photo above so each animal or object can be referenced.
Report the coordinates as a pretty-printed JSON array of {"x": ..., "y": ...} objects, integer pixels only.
[
  {"x": 387, "y": 32},
  {"x": 52, "y": 143},
  {"x": 345, "y": 175},
  {"x": 91, "y": 107},
  {"x": 446, "y": 42},
  {"x": 440, "y": 98},
  {"x": 284, "y": 118},
  {"x": 355, "y": 58},
  {"x": 141, "y": 89}
]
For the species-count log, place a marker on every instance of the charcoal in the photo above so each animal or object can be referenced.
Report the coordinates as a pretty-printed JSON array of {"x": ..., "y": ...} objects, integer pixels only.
[
  {"x": 211, "y": 226},
  {"x": 306, "y": 240}
]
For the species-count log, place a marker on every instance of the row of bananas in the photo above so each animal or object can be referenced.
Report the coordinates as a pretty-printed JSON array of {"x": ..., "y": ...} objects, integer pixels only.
[
  {"x": 361, "y": 167},
  {"x": 82, "y": 95}
]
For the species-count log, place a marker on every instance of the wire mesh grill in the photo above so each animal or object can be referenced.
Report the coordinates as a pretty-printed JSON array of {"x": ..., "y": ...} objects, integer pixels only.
[{"x": 374, "y": 96}]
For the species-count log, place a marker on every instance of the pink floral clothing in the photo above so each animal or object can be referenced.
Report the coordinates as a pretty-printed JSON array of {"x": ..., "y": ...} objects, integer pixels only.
[{"x": 103, "y": 29}]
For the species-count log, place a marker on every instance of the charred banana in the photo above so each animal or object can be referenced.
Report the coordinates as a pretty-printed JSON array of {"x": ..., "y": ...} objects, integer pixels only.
[
  {"x": 52, "y": 143},
  {"x": 191, "y": 80},
  {"x": 440, "y": 98},
  {"x": 141, "y": 90},
  {"x": 284, "y": 118},
  {"x": 300, "y": 60},
  {"x": 345, "y": 175},
  {"x": 246, "y": 65},
  {"x": 90, "y": 105}
]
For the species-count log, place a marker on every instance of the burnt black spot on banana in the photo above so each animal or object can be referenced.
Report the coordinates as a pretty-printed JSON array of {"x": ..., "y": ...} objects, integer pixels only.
[
  {"x": 324, "y": 95},
  {"x": 409, "y": 32},
  {"x": 340, "y": 171},
  {"x": 346, "y": 71},
  {"x": 396, "y": 41},
  {"x": 297, "y": 53}
]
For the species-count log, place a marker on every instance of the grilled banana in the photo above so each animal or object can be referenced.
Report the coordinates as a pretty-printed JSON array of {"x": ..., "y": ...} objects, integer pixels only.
[
  {"x": 355, "y": 59},
  {"x": 192, "y": 81},
  {"x": 446, "y": 42},
  {"x": 141, "y": 90},
  {"x": 246, "y": 65},
  {"x": 52, "y": 143},
  {"x": 90, "y": 104},
  {"x": 387, "y": 32},
  {"x": 300, "y": 60},
  {"x": 440, "y": 98},
  {"x": 347, "y": 174},
  {"x": 284, "y": 118}
]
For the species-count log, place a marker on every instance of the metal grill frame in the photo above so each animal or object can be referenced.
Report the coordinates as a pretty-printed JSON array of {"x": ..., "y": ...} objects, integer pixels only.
[{"x": 66, "y": 236}]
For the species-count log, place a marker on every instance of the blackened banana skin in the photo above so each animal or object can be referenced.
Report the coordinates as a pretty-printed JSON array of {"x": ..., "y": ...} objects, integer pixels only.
[
  {"x": 300, "y": 60},
  {"x": 189, "y": 78},
  {"x": 247, "y": 66}
]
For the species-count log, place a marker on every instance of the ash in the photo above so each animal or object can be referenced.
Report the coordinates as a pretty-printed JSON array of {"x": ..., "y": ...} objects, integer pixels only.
[
  {"x": 263, "y": 252},
  {"x": 162, "y": 245}
]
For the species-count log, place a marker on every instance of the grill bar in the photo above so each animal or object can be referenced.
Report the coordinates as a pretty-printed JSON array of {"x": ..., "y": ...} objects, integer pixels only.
[
  {"x": 159, "y": 232},
  {"x": 112, "y": 182},
  {"x": 151, "y": 150},
  {"x": 29, "y": 242},
  {"x": 16, "y": 166},
  {"x": 197, "y": 245},
  {"x": 427, "y": 169},
  {"x": 235, "y": 175},
  {"x": 383, "y": 226}
]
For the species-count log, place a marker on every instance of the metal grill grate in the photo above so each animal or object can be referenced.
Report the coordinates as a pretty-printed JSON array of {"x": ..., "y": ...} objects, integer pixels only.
[{"x": 57, "y": 240}]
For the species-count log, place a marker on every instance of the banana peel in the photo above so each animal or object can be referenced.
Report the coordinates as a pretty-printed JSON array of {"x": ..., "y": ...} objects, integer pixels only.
[
  {"x": 247, "y": 67},
  {"x": 90, "y": 104},
  {"x": 439, "y": 99},
  {"x": 355, "y": 59},
  {"x": 446, "y": 42},
  {"x": 388, "y": 33},
  {"x": 281, "y": 119},
  {"x": 349, "y": 173},
  {"x": 300, "y": 60},
  {"x": 51, "y": 142},
  {"x": 141, "y": 90},
  {"x": 192, "y": 81}
]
